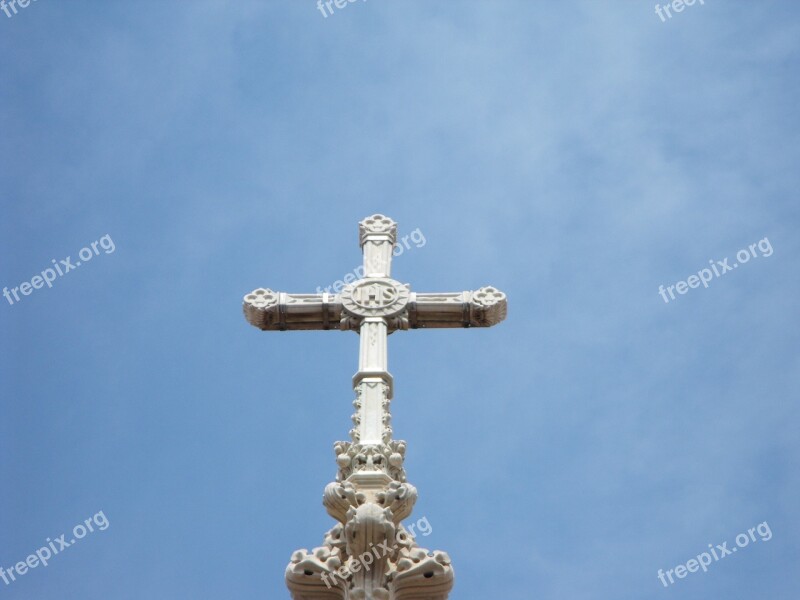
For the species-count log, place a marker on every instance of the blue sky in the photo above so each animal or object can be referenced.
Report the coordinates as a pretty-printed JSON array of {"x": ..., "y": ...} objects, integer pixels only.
[{"x": 577, "y": 155}]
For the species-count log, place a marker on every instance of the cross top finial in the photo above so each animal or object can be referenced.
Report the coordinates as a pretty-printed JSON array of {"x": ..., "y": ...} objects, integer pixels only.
[{"x": 378, "y": 226}]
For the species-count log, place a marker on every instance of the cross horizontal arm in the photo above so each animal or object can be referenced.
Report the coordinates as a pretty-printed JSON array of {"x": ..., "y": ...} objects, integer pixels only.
[
  {"x": 279, "y": 311},
  {"x": 482, "y": 308}
]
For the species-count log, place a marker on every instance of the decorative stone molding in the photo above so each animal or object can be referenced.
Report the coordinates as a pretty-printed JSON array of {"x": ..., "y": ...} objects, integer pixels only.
[
  {"x": 377, "y": 227},
  {"x": 375, "y": 297},
  {"x": 399, "y": 498},
  {"x": 258, "y": 307},
  {"x": 305, "y": 572},
  {"x": 369, "y": 528},
  {"x": 488, "y": 306},
  {"x": 385, "y": 458},
  {"x": 421, "y": 575},
  {"x": 340, "y": 497}
]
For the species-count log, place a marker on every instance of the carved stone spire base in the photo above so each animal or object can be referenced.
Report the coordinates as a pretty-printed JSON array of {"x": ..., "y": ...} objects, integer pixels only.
[{"x": 369, "y": 555}]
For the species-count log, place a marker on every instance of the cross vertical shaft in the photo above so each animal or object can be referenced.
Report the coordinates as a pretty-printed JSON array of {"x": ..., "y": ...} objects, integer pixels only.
[
  {"x": 373, "y": 382},
  {"x": 372, "y": 385}
]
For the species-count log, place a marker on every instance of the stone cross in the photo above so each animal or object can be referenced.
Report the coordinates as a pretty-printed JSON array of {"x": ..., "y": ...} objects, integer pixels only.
[{"x": 370, "y": 495}]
